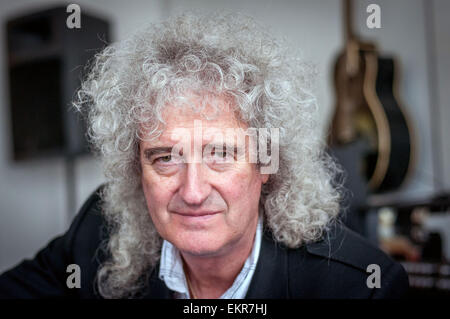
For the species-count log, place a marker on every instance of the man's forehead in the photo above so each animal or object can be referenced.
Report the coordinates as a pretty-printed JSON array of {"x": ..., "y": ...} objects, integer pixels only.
[
  {"x": 217, "y": 107},
  {"x": 206, "y": 131},
  {"x": 211, "y": 121}
]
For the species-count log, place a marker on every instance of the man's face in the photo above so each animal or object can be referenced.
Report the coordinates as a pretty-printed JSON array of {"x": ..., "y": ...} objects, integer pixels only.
[{"x": 206, "y": 207}]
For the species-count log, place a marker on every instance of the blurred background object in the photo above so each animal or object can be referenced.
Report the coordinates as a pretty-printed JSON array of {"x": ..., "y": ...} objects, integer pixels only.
[
  {"x": 40, "y": 194},
  {"x": 46, "y": 64},
  {"x": 417, "y": 233}
]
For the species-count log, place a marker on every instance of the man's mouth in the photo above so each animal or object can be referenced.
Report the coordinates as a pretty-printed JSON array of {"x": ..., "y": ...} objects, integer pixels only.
[{"x": 198, "y": 214}]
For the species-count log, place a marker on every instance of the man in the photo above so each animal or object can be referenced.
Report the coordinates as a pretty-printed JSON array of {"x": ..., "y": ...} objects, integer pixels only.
[{"x": 217, "y": 186}]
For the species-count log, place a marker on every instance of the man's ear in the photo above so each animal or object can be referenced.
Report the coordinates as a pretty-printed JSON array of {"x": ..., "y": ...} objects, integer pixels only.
[{"x": 264, "y": 178}]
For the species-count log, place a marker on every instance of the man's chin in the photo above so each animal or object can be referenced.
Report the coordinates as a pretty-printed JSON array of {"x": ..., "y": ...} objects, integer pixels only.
[{"x": 204, "y": 248}]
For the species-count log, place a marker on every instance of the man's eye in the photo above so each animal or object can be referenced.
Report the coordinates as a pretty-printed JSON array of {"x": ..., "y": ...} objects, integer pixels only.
[
  {"x": 163, "y": 159},
  {"x": 166, "y": 158},
  {"x": 221, "y": 155}
]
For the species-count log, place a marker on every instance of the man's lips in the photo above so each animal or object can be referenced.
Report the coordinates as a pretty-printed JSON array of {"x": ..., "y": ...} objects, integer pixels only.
[{"x": 197, "y": 214}]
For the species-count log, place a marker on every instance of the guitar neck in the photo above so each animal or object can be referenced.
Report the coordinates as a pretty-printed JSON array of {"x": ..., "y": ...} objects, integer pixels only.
[
  {"x": 348, "y": 20},
  {"x": 350, "y": 36}
]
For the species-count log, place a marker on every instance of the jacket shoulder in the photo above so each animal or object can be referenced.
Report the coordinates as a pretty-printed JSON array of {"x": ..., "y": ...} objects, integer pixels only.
[
  {"x": 342, "y": 262},
  {"x": 343, "y": 245},
  {"x": 88, "y": 228},
  {"x": 88, "y": 233},
  {"x": 45, "y": 275}
]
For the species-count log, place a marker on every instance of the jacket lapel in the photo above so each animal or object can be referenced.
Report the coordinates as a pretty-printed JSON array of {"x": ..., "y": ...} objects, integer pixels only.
[
  {"x": 270, "y": 280},
  {"x": 156, "y": 288}
]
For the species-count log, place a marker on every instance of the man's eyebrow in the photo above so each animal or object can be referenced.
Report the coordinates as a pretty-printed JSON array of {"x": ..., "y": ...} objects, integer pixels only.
[{"x": 149, "y": 152}]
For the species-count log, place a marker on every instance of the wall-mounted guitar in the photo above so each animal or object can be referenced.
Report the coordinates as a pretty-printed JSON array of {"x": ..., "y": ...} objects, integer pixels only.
[{"x": 367, "y": 109}]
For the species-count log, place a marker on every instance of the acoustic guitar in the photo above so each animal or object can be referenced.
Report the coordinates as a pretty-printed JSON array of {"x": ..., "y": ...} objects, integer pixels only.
[{"x": 367, "y": 109}]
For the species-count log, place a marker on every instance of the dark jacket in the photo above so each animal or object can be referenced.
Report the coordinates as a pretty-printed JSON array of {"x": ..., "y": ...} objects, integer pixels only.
[{"x": 334, "y": 267}]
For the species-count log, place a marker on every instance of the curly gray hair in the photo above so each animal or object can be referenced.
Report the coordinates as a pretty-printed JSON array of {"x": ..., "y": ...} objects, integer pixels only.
[{"x": 126, "y": 90}]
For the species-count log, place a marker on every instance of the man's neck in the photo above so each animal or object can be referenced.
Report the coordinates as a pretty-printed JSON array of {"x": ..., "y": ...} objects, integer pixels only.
[{"x": 207, "y": 276}]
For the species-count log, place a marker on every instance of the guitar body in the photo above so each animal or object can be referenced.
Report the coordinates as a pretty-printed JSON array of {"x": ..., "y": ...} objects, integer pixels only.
[
  {"x": 400, "y": 139},
  {"x": 367, "y": 111}
]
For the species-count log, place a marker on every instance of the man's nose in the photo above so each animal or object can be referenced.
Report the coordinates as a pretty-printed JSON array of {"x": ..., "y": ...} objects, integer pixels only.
[{"x": 195, "y": 188}]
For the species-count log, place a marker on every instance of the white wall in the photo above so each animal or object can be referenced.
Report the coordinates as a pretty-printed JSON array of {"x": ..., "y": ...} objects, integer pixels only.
[
  {"x": 32, "y": 194},
  {"x": 441, "y": 14}
]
